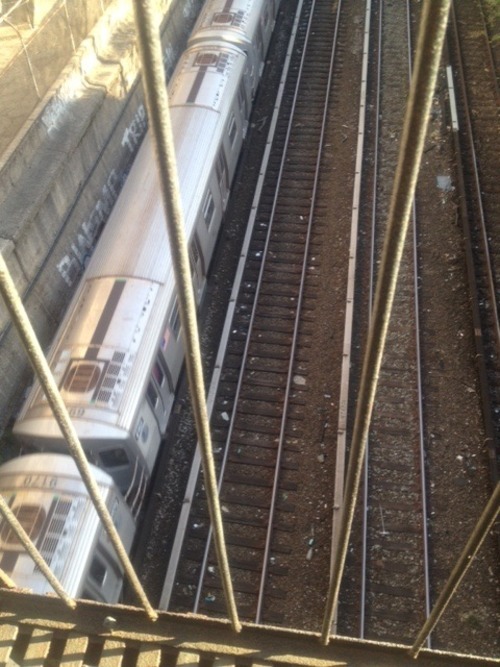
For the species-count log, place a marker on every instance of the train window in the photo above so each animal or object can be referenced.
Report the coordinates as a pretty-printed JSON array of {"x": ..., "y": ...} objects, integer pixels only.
[
  {"x": 114, "y": 458},
  {"x": 31, "y": 518},
  {"x": 208, "y": 209},
  {"x": 195, "y": 255},
  {"x": 221, "y": 169},
  {"x": 82, "y": 377},
  {"x": 232, "y": 130},
  {"x": 207, "y": 59},
  {"x": 175, "y": 320},
  {"x": 260, "y": 40},
  {"x": 91, "y": 457},
  {"x": 152, "y": 395},
  {"x": 223, "y": 18},
  {"x": 158, "y": 374},
  {"x": 242, "y": 96},
  {"x": 97, "y": 571}
]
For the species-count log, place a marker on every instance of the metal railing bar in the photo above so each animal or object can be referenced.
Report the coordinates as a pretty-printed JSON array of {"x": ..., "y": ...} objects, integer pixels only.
[
  {"x": 160, "y": 125},
  {"x": 61, "y": 415},
  {"x": 429, "y": 49}
]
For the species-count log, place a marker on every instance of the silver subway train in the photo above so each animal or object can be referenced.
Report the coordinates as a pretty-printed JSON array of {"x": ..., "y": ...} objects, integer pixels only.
[{"x": 118, "y": 353}]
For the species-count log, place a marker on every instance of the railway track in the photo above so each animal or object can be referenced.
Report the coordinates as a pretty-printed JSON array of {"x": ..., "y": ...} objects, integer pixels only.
[
  {"x": 296, "y": 547},
  {"x": 474, "y": 87},
  {"x": 392, "y": 544},
  {"x": 394, "y": 519},
  {"x": 259, "y": 439},
  {"x": 259, "y": 408}
]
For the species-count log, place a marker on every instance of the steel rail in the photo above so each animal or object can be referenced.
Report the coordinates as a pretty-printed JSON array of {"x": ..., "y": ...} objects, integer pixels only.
[
  {"x": 340, "y": 461},
  {"x": 488, "y": 42},
  {"x": 418, "y": 356},
  {"x": 214, "y": 384},
  {"x": 338, "y": 493},
  {"x": 431, "y": 37},
  {"x": 465, "y": 560},
  {"x": 478, "y": 324},
  {"x": 421, "y": 447},
  {"x": 239, "y": 385},
  {"x": 159, "y": 118},
  {"x": 371, "y": 290},
  {"x": 483, "y": 234},
  {"x": 284, "y": 418}
]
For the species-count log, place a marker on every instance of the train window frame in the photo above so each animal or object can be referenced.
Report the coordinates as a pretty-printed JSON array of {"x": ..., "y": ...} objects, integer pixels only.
[
  {"x": 174, "y": 320},
  {"x": 152, "y": 395},
  {"x": 232, "y": 130},
  {"x": 32, "y": 519},
  {"x": 98, "y": 571},
  {"x": 194, "y": 254},
  {"x": 223, "y": 18},
  {"x": 82, "y": 376},
  {"x": 207, "y": 59},
  {"x": 208, "y": 208},
  {"x": 158, "y": 373},
  {"x": 221, "y": 170},
  {"x": 243, "y": 98},
  {"x": 120, "y": 458}
]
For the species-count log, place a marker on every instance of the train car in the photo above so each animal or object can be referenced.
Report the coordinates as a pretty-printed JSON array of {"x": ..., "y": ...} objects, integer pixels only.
[
  {"x": 246, "y": 24},
  {"x": 50, "y": 500},
  {"x": 118, "y": 353}
]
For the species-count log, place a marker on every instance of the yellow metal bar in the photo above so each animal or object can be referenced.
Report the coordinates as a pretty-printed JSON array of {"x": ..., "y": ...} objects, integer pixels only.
[
  {"x": 42, "y": 370},
  {"x": 159, "y": 118},
  {"x": 210, "y": 637},
  {"x": 6, "y": 580},
  {"x": 480, "y": 531},
  {"x": 429, "y": 48},
  {"x": 33, "y": 552}
]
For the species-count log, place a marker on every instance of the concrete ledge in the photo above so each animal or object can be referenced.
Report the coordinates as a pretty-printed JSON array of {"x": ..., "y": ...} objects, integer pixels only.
[{"x": 59, "y": 184}]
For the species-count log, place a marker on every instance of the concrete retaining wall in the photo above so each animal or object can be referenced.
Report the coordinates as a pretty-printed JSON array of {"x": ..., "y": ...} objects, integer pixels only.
[
  {"x": 33, "y": 58},
  {"x": 59, "y": 183}
]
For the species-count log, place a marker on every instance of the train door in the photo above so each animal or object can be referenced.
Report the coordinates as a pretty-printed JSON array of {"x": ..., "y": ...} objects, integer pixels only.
[
  {"x": 159, "y": 393},
  {"x": 104, "y": 578},
  {"x": 171, "y": 348},
  {"x": 223, "y": 176},
  {"x": 234, "y": 131},
  {"x": 259, "y": 39},
  {"x": 245, "y": 106}
]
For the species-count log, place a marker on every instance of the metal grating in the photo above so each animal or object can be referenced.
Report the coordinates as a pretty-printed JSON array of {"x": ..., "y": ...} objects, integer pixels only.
[{"x": 40, "y": 631}]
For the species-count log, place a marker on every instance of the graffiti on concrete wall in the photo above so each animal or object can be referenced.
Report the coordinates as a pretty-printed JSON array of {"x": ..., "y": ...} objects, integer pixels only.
[
  {"x": 55, "y": 115},
  {"x": 136, "y": 130},
  {"x": 74, "y": 262}
]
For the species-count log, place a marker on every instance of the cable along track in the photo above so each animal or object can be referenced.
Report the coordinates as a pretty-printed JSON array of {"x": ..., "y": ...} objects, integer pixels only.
[{"x": 259, "y": 405}]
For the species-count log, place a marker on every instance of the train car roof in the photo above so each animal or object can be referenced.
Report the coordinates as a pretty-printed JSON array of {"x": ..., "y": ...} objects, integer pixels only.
[
  {"x": 198, "y": 100},
  {"x": 206, "y": 76},
  {"x": 235, "y": 21},
  {"x": 61, "y": 465},
  {"x": 132, "y": 258}
]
